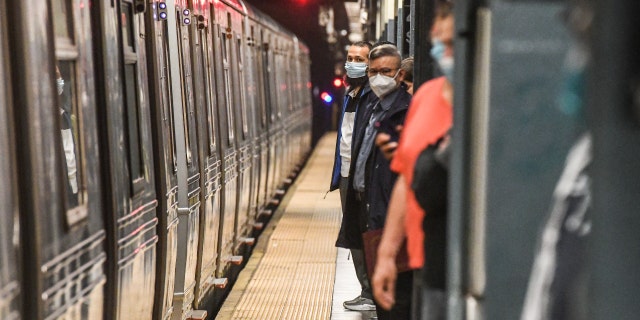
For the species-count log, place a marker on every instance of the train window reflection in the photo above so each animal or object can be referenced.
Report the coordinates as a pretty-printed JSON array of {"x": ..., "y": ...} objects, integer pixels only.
[
  {"x": 127, "y": 25},
  {"x": 167, "y": 99},
  {"x": 211, "y": 106},
  {"x": 243, "y": 104},
  {"x": 227, "y": 86},
  {"x": 69, "y": 115},
  {"x": 63, "y": 20},
  {"x": 135, "y": 158}
]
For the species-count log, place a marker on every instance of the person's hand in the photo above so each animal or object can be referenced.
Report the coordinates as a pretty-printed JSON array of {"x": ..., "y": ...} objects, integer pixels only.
[
  {"x": 384, "y": 282},
  {"x": 388, "y": 147}
]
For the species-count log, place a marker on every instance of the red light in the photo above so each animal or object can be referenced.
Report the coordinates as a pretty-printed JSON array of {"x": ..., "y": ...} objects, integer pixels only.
[{"x": 337, "y": 82}]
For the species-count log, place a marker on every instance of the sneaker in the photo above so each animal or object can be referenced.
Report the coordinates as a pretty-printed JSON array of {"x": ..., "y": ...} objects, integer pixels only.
[{"x": 359, "y": 304}]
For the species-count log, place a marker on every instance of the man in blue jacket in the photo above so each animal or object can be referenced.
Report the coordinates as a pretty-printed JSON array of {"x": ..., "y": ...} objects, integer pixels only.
[{"x": 357, "y": 97}]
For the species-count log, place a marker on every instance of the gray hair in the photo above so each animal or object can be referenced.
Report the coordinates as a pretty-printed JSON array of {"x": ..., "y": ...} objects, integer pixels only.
[{"x": 385, "y": 50}]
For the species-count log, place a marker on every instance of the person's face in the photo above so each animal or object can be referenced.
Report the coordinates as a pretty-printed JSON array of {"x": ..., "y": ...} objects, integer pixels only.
[
  {"x": 443, "y": 29},
  {"x": 358, "y": 54},
  {"x": 387, "y": 66}
]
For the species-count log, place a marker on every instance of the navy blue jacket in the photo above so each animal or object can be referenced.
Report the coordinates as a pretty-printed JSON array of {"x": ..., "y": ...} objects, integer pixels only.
[{"x": 365, "y": 96}]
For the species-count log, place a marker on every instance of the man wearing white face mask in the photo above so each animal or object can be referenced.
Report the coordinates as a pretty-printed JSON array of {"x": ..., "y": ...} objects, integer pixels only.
[
  {"x": 372, "y": 177},
  {"x": 357, "y": 97},
  {"x": 429, "y": 119}
]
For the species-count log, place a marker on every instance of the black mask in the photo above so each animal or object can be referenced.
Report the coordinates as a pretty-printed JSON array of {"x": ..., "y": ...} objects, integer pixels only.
[{"x": 357, "y": 82}]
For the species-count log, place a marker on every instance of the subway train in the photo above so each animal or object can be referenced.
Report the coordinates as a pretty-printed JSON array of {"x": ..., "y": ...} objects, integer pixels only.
[{"x": 144, "y": 142}]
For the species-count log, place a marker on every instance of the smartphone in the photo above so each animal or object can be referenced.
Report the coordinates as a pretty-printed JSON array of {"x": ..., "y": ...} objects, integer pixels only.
[{"x": 389, "y": 128}]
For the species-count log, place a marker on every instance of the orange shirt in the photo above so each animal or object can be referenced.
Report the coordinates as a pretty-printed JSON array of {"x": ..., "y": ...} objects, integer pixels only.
[{"x": 429, "y": 118}]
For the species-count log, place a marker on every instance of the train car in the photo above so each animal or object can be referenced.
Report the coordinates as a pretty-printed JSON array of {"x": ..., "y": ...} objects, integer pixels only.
[
  {"x": 62, "y": 231},
  {"x": 127, "y": 161},
  {"x": 141, "y": 135}
]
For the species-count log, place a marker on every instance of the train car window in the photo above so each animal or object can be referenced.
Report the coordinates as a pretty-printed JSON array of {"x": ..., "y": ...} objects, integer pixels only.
[
  {"x": 187, "y": 90},
  {"x": 262, "y": 65},
  {"x": 208, "y": 54},
  {"x": 227, "y": 85},
  {"x": 127, "y": 22},
  {"x": 62, "y": 22},
  {"x": 70, "y": 133},
  {"x": 69, "y": 111},
  {"x": 243, "y": 104},
  {"x": 132, "y": 120},
  {"x": 167, "y": 98}
]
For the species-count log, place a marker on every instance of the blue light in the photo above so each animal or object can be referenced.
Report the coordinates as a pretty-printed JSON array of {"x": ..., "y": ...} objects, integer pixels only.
[
  {"x": 186, "y": 12},
  {"x": 326, "y": 97},
  {"x": 187, "y": 21},
  {"x": 162, "y": 5},
  {"x": 163, "y": 15}
]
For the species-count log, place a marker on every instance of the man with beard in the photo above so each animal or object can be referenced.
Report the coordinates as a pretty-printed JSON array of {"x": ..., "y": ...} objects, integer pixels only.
[{"x": 357, "y": 97}]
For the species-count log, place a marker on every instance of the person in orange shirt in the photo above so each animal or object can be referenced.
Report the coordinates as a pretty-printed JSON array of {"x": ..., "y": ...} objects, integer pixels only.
[{"x": 430, "y": 117}]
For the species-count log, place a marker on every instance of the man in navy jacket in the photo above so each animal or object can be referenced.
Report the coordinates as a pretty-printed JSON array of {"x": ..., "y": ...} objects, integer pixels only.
[{"x": 357, "y": 97}]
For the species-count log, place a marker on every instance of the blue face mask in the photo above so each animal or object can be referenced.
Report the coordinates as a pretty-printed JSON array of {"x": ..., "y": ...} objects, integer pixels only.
[
  {"x": 356, "y": 69},
  {"x": 445, "y": 63}
]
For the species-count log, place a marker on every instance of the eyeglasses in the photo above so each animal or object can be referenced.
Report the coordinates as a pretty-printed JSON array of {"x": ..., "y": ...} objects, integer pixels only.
[{"x": 384, "y": 71}]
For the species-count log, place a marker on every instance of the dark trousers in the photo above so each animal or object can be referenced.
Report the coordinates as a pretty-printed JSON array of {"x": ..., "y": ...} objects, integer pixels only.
[{"x": 356, "y": 254}]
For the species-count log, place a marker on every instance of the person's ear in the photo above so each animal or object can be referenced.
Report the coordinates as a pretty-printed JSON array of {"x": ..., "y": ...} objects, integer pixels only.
[{"x": 401, "y": 75}]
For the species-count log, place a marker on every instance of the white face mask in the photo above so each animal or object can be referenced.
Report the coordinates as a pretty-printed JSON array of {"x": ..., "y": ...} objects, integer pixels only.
[
  {"x": 60, "y": 85},
  {"x": 381, "y": 85}
]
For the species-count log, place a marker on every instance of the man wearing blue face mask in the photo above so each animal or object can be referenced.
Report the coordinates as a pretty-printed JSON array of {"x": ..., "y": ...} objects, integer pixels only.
[
  {"x": 372, "y": 177},
  {"x": 357, "y": 97}
]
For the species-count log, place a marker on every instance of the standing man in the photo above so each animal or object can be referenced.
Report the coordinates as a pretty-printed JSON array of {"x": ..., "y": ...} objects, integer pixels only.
[
  {"x": 429, "y": 119},
  {"x": 372, "y": 176},
  {"x": 357, "y": 97}
]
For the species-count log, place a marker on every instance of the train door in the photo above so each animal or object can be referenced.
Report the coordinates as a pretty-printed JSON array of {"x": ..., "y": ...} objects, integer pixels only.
[
  {"x": 251, "y": 98},
  {"x": 270, "y": 104},
  {"x": 9, "y": 229},
  {"x": 254, "y": 92},
  {"x": 188, "y": 171},
  {"x": 290, "y": 107},
  {"x": 281, "y": 114},
  {"x": 163, "y": 132},
  {"x": 274, "y": 110},
  {"x": 262, "y": 117},
  {"x": 128, "y": 169},
  {"x": 206, "y": 105},
  {"x": 61, "y": 226},
  {"x": 243, "y": 136},
  {"x": 227, "y": 133}
]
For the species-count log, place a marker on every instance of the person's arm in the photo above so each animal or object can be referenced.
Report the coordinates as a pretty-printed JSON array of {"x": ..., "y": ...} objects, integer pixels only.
[{"x": 385, "y": 274}]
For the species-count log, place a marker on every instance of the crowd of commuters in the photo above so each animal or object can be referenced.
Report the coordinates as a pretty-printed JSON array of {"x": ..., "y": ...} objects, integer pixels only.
[
  {"x": 382, "y": 131},
  {"x": 392, "y": 165}
]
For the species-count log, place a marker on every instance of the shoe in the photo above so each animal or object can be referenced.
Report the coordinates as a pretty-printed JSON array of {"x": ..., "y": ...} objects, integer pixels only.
[{"x": 359, "y": 304}]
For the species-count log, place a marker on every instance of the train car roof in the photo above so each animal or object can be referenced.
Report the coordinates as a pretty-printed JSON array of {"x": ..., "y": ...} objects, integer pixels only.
[
  {"x": 263, "y": 18},
  {"x": 267, "y": 21},
  {"x": 236, "y": 4}
]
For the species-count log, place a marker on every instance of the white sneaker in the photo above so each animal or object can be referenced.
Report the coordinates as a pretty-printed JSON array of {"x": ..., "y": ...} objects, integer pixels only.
[{"x": 360, "y": 304}]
